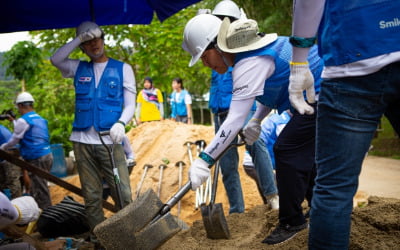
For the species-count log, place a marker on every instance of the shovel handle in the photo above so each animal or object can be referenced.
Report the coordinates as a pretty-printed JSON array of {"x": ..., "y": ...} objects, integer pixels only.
[
  {"x": 117, "y": 180},
  {"x": 188, "y": 185}
]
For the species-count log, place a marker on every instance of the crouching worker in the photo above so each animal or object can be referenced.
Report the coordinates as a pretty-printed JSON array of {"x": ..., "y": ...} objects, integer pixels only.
[{"x": 261, "y": 69}]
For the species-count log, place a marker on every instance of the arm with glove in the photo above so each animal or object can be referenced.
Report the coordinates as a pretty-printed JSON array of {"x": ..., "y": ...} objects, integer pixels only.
[
  {"x": 199, "y": 170},
  {"x": 302, "y": 39},
  {"x": 117, "y": 131},
  {"x": 21, "y": 210},
  {"x": 60, "y": 57}
]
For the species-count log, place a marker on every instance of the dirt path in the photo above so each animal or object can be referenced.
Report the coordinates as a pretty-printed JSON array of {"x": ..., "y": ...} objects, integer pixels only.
[{"x": 380, "y": 176}]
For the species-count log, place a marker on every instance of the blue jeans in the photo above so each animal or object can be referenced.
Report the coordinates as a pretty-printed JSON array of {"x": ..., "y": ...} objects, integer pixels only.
[
  {"x": 230, "y": 175},
  {"x": 349, "y": 111},
  {"x": 94, "y": 165},
  {"x": 263, "y": 164}
]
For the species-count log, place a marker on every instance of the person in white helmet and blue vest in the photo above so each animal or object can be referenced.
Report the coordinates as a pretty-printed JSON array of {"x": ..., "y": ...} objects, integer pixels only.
[
  {"x": 220, "y": 99},
  {"x": 105, "y": 94},
  {"x": 32, "y": 134},
  {"x": 261, "y": 72},
  {"x": 359, "y": 42}
]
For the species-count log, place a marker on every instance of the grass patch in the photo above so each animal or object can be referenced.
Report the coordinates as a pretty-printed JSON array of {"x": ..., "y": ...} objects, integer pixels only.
[{"x": 387, "y": 142}]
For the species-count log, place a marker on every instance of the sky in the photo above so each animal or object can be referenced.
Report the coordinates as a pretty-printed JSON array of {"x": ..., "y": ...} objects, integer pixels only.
[{"x": 7, "y": 40}]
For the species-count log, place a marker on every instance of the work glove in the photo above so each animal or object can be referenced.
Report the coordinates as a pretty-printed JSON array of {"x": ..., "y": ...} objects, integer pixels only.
[
  {"x": 3, "y": 146},
  {"x": 252, "y": 131},
  {"x": 198, "y": 173},
  {"x": 301, "y": 79},
  {"x": 117, "y": 132},
  {"x": 90, "y": 34},
  {"x": 27, "y": 208}
]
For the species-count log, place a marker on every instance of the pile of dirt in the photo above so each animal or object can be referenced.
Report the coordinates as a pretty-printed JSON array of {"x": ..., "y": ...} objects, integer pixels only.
[{"x": 374, "y": 226}]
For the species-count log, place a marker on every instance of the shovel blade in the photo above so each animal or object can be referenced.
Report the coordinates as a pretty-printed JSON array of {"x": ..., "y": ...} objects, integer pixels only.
[{"x": 214, "y": 221}]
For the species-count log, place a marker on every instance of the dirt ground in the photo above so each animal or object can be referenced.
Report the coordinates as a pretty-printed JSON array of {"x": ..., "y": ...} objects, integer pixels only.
[{"x": 374, "y": 226}]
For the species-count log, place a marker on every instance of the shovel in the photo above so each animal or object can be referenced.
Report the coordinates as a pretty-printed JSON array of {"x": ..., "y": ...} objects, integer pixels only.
[
  {"x": 213, "y": 214},
  {"x": 146, "y": 223},
  {"x": 146, "y": 167},
  {"x": 161, "y": 167},
  {"x": 216, "y": 215},
  {"x": 180, "y": 164},
  {"x": 117, "y": 180}
]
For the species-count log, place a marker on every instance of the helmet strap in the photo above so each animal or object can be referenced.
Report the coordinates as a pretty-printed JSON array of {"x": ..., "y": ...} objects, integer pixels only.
[{"x": 222, "y": 55}]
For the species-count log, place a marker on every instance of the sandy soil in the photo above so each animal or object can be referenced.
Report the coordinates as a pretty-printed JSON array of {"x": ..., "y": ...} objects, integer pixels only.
[{"x": 375, "y": 226}]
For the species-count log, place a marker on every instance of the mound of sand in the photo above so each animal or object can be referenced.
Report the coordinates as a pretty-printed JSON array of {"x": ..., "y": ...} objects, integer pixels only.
[{"x": 375, "y": 226}]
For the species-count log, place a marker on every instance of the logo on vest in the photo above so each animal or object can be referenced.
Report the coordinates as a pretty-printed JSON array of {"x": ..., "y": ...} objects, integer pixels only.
[
  {"x": 389, "y": 24},
  {"x": 85, "y": 79}
]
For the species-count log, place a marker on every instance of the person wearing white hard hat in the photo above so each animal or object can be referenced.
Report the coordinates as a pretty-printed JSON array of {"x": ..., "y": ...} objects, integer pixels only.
[
  {"x": 261, "y": 72},
  {"x": 361, "y": 82},
  {"x": 32, "y": 133},
  {"x": 220, "y": 98},
  {"x": 105, "y": 94}
]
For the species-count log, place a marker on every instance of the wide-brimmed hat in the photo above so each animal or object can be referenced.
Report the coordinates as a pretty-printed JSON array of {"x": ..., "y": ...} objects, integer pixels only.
[{"x": 242, "y": 35}]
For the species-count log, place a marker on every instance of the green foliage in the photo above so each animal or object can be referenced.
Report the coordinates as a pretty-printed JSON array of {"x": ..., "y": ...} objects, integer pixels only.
[
  {"x": 272, "y": 16},
  {"x": 54, "y": 101},
  {"x": 386, "y": 143},
  {"x": 152, "y": 50},
  {"x": 23, "y": 61}
]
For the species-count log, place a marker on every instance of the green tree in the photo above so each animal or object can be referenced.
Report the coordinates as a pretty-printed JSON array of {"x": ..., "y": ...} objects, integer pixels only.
[{"x": 23, "y": 61}]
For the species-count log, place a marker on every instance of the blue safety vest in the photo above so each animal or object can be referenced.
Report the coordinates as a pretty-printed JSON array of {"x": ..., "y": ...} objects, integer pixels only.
[
  {"x": 36, "y": 140},
  {"x": 354, "y": 30},
  {"x": 220, "y": 91},
  {"x": 269, "y": 133},
  {"x": 276, "y": 94},
  {"x": 5, "y": 135},
  {"x": 178, "y": 105},
  {"x": 100, "y": 107}
]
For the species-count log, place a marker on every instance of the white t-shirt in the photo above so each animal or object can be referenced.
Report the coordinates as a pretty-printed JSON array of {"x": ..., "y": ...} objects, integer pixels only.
[
  {"x": 248, "y": 76},
  {"x": 188, "y": 98}
]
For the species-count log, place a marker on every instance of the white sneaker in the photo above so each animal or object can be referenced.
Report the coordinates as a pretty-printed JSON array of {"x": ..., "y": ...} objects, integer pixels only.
[{"x": 273, "y": 202}]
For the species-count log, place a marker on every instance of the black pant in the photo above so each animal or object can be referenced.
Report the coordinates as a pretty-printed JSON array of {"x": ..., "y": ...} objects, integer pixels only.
[{"x": 295, "y": 166}]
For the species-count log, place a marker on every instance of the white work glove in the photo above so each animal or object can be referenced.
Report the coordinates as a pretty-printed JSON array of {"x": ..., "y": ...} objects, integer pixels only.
[
  {"x": 117, "y": 132},
  {"x": 27, "y": 208},
  {"x": 252, "y": 131},
  {"x": 2, "y": 147},
  {"x": 90, "y": 34},
  {"x": 198, "y": 173},
  {"x": 301, "y": 79}
]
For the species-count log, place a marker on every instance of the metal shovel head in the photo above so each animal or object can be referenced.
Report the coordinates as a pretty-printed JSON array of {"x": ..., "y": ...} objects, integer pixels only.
[
  {"x": 214, "y": 221},
  {"x": 131, "y": 227}
]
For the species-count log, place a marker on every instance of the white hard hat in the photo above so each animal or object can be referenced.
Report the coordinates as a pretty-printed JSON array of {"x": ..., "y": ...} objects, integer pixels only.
[
  {"x": 87, "y": 25},
  {"x": 24, "y": 97},
  {"x": 199, "y": 32},
  {"x": 227, "y": 8}
]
